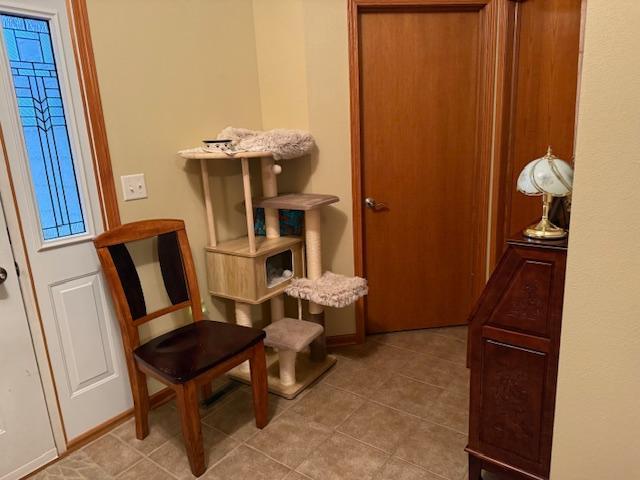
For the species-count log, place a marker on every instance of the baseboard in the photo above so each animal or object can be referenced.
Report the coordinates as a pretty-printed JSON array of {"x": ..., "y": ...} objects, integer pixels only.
[
  {"x": 80, "y": 441},
  {"x": 342, "y": 340}
]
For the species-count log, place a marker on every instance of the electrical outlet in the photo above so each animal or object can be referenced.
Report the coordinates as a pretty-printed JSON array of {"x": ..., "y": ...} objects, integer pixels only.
[{"x": 133, "y": 187}]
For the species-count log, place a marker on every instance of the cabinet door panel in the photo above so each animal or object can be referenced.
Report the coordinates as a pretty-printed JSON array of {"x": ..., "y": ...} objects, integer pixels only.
[
  {"x": 525, "y": 303},
  {"x": 512, "y": 401}
]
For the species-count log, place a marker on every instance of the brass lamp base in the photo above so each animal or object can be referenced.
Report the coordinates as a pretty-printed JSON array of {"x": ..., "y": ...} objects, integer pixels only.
[{"x": 544, "y": 230}]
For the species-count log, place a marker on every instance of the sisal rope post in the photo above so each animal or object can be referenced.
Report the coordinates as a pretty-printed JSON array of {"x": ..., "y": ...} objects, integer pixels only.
[
  {"x": 243, "y": 317},
  {"x": 313, "y": 248},
  {"x": 248, "y": 204},
  {"x": 287, "y": 360},
  {"x": 277, "y": 307},
  {"x": 208, "y": 202},
  {"x": 243, "y": 314},
  {"x": 270, "y": 189},
  {"x": 272, "y": 224}
]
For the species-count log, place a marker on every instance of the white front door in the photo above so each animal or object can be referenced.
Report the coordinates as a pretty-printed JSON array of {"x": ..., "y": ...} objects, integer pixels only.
[
  {"x": 50, "y": 163},
  {"x": 26, "y": 440}
]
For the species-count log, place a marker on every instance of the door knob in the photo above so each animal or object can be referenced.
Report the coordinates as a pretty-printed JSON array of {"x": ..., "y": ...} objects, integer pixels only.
[
  {"x": 3, "y": 275},
  {"x": 373, "y": 204}
]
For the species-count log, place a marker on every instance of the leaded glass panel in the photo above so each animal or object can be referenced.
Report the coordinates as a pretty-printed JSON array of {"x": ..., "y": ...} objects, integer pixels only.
[{"x": 37, "y": 88}]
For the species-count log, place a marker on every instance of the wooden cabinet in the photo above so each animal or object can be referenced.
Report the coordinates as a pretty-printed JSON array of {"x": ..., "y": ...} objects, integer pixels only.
[{"x": 514, "y": 337}]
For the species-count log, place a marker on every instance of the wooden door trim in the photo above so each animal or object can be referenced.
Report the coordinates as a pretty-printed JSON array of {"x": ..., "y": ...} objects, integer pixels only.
[
  {"x": 506, "y": 87},
  {"x": 488, "y": 32},
  {"x": 92, "y": 103}
]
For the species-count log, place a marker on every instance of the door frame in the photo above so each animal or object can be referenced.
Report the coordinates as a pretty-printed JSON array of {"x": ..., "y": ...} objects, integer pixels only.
[
  {"x": 480, "y": 230},
  {"x": 88, "y": 75},
  {"x": 92, "y": 105}
]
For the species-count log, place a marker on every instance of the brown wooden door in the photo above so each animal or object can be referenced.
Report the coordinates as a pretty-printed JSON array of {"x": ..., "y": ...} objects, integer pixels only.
[{"x": 421, "y": 78}]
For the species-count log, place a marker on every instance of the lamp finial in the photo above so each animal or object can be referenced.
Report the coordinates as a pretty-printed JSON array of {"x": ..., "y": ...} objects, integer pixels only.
[{"x": 549, "y": 152}]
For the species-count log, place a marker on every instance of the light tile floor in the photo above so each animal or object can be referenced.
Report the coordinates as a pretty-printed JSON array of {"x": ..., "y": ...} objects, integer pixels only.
[{"x": 394, "y": 408}]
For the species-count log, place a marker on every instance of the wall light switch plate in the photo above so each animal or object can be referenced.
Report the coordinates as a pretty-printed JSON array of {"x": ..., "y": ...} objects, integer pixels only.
[{"x": 133, "y": 187}]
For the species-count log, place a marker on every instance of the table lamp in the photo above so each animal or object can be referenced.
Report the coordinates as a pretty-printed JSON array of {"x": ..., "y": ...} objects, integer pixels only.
[{"x": 549, "y": 177}]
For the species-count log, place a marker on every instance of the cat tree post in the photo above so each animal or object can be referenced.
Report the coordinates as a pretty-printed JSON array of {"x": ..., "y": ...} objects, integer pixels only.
[
  {"x": 208, "y": 202},
  {"x": 272, "y": 223},
  {"x": 243, "y": 310},
  {"x": 243, "y": 314},
  {"x": 287, "y": 358},
  {"x": 270, "y": 189},
  {"x": 313, "y": 246}
]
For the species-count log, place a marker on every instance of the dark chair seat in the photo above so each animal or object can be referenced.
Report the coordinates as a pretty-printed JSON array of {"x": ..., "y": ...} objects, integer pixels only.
[{"x": 184, "y": 353}]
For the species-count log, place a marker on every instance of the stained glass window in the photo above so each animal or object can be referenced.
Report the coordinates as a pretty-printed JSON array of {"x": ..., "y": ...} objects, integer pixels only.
[{"x": 37, "y": 88}]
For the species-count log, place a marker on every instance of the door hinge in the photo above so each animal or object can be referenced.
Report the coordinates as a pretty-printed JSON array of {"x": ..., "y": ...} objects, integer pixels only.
[{"x": 17, "y": 269}]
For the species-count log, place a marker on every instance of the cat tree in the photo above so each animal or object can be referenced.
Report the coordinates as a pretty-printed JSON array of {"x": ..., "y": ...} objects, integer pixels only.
[{"x": 253, "y": 269}]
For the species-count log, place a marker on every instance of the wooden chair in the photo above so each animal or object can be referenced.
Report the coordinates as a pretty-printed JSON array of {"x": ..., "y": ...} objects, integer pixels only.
[{"x": 186, "y": 359}]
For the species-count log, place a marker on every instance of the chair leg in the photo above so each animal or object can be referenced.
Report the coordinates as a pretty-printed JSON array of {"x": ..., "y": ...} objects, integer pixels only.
[
  {"x": 258, "y": 364},
  {"x": 188, "y": 408},
  {"x": 140, "y": 403}
]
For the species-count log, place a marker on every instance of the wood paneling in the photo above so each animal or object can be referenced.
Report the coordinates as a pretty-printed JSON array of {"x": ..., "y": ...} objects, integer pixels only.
[
  {"x": 537, "y": 90},
  {"x": 423, "y": 90}
]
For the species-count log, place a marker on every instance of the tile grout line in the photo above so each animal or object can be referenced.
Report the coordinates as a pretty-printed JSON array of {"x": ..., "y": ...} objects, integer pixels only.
[
  {"x": 224, "y": 457},
  {"x": 398, "y": 410},
  {"x": 89, "y": 456},
  {"x": 148, "y": 455},
  {"x": 244, "y": 442},
  {"x": 420, "y": 352},
  {"x": 432, "y": 331},
  {"x": 335, "y": 431},
  {"x": 362, "y": 442},
  {"x": 419, "y": 417},
  {"x": 143, "y": 455},
  {"x": 270, "y": 457},
  {"x": 423, "y": 468},
  {"x": 427, "y": 383}
]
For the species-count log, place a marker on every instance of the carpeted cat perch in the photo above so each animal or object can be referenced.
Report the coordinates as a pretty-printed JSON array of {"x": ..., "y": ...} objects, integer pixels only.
[{"x": 330, "y": 290}]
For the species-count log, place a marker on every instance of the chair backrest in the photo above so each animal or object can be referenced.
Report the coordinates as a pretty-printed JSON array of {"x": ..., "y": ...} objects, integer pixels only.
[{"x": 176, "y": 266}]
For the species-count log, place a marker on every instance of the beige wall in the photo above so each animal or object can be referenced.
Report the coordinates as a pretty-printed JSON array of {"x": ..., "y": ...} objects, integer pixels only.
[
  {"x": 169, "y": 77},
  {"x": 280, "y": 48},
  {"x": 597, "y": 416},
  {"x": 303, "y": 52}
]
